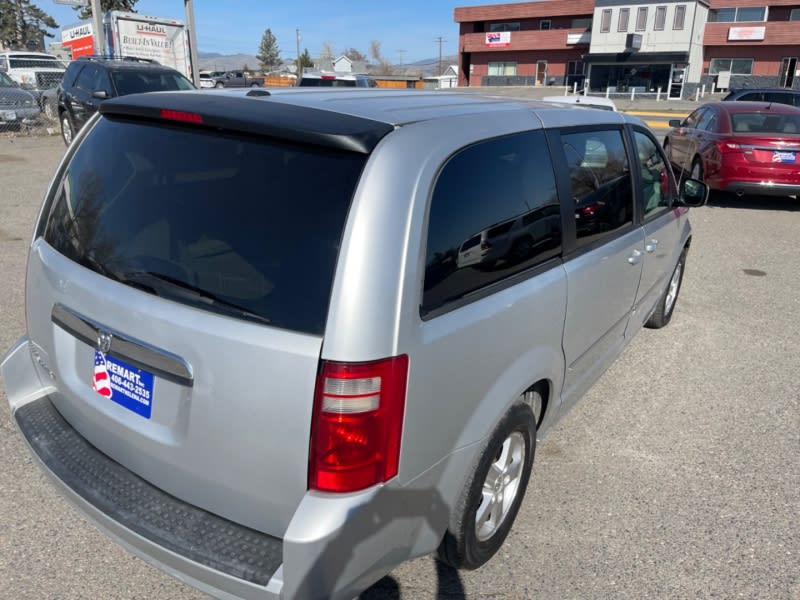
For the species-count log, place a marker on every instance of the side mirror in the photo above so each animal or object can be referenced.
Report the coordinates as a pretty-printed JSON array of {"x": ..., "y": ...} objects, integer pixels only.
[
  {"x": 674, "y": 123},
  {"x": 100, "y": 94},
  {"x": 693, "y": 193}
]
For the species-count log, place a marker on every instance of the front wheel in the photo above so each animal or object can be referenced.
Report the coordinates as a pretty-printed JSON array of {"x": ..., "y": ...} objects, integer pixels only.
[
  {"x": 666, "y": 304},
  {"x": 49, "y": 110},
  {"x": 67, "y": 130},
  {"x": 490, "y": 502}
]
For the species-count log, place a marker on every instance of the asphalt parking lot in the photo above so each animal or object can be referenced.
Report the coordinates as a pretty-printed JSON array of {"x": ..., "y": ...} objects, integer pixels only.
[{"x": 677, "y": 476}]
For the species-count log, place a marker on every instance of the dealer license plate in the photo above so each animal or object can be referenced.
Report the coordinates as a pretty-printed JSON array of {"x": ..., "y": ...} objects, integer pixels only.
[
  {"x": 125, "y": 384},
  {"x": 784, "y": 157}
]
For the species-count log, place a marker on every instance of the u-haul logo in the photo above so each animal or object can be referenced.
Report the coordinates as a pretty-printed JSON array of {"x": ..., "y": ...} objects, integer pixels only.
[{"x": 151, "y": 29}]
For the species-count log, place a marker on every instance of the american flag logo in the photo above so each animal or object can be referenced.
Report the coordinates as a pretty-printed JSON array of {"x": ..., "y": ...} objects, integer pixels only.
[{"x": 100, "y": 382}]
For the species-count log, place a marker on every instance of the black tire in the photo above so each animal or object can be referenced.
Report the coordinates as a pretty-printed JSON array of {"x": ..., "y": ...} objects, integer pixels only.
[
  {"x": 666, "y": 303},
  {"x": 67, "y": 128},
  {"x": 463, "y": 547}
]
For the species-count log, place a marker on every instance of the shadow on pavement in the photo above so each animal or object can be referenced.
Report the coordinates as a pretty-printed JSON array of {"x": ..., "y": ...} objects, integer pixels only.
[{"x": 448, "y": 586}]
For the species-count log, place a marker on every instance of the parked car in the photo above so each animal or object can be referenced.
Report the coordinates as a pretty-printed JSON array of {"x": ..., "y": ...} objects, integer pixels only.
[
  {"x": 780, "y": 95},
  {"x": 333, "y": 79},
  {"x": 287, "y": 394},
  {"x": 49, "y": 103},
  {"x": 206, "y": 80},
  {"x": 35, "y": 72},
  {"x": 237, "y": 79},
  {"x": 739, "y": 147},
  {"x": 90, "y": 81},
  {"x": 17, "y": 106}
]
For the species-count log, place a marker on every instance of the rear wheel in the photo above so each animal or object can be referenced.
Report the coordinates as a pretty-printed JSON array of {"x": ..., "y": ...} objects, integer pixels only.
[
  {"x": 252, "y": 85},
  {"x": 49, "y": 110},
  {"x": 492, "y": 497},
  {"x": 219, "y": 84}
]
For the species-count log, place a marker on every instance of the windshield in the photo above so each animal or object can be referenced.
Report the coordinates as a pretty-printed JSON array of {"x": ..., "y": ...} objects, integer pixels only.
[
  {"x": 26, "y": 62},
  {"x": 6, "y": 81},
  {"x": 229, "y": 224},
  {"x": 137, "y": 82}
]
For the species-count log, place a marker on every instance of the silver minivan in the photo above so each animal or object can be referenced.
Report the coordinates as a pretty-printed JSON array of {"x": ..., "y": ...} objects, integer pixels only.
[{"x": 253, "y": 358}]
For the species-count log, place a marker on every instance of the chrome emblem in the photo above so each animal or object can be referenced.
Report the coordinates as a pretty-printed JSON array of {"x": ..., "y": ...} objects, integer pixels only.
[{"x": 104, "y": 341}]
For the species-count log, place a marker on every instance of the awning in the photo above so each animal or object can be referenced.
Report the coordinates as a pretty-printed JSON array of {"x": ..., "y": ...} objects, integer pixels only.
[{"x": 647, "y": 58}]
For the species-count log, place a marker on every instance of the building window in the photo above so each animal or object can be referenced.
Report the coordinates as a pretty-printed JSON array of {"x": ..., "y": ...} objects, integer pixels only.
[
  {"x": 622, "y": 24},
  {"x": 502, "y": 69},
  {"x": 544, "y": 24},
  {"x": 575, "y": 67},
  {"x": 605, "y": 21},
  {"x": 743, "y": 13},
  {"x": 751, "y": 13},
  {"x": 512, "y": 26},
  {"x": 661, "y": 17},
  {"x": 680, "y": 17},
  {"x": 583, "y": 23},
  {"x": 641, "y": 18},
  {"x": 794, "y": 14},
  {"x": 737, "y": 66}
]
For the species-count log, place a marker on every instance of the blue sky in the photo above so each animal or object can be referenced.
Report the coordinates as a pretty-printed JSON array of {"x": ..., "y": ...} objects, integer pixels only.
[{"x": 236, "y": 26}]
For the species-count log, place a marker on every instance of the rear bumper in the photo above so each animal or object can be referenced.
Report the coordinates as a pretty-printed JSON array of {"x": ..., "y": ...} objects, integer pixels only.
[
  {"x": 762, "y": 188},
  {"x": 336, "y": 545}
]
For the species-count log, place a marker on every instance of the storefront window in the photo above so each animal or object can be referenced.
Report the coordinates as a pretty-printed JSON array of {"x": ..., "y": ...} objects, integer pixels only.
[
  {"x": 502, "y": 68},
  {"x": 737, "y": 66},
  {"x": 622, "y": 79}
]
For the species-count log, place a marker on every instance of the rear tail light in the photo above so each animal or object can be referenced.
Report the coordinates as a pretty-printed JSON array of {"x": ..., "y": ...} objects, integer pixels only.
[
  {"x": 357, "y": 424},
  {"x": 728, "y": 147}
]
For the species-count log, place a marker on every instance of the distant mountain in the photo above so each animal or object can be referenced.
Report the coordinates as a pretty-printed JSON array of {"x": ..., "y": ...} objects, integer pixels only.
[{"x": 226, "y": 62}]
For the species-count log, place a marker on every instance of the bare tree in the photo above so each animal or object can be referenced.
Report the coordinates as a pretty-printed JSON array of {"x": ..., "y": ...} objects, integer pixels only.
[{"x": 381, "y": 65}]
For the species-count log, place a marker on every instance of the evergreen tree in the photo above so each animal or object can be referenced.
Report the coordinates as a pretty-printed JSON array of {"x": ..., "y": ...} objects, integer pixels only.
[
  {"x": 305, "y": 61},
  {"x": 106, "y": 5},
  {"x": 269, "y": 55},
  {"x": 24, "y": 25}
]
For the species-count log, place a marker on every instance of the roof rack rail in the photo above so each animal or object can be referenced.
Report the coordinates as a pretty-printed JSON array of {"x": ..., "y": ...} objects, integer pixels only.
[{"x": 111, "y": 57}]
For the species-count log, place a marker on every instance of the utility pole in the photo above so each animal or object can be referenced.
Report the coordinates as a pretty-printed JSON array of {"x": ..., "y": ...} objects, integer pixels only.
[
  {"x": 401, "y": 52},
  {"x": 97, "y": 25},
  {"x": 299, "y": 68},
  {"x": 440, "y": 39},
  {"x": 188, "y": 9}
]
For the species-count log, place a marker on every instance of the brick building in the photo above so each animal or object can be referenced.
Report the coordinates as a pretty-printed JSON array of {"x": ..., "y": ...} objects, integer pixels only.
[{"x": 671, "y": 46}]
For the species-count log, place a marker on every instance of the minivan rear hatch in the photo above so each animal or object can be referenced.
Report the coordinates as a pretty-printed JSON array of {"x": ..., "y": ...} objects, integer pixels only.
[{"x": 179, "y": 283}]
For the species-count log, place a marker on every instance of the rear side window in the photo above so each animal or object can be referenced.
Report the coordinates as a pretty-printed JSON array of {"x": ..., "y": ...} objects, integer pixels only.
[
  {"x": 494, "y": 213},
  {"x": 600, "y": 177},
  {"x": 228, "y": 224}
]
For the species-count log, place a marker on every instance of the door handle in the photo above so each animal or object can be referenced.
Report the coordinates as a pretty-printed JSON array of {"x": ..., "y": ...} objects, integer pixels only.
[
  {"x": 651, "y": 245},
  {"x": 635, "y": 257}
]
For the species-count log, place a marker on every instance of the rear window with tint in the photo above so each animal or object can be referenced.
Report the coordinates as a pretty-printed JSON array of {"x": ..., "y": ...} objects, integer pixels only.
[
  {"x": 763, "y": 122},
  {"x": 139, "y": 82},
  {"x": 245, "y": 227}
]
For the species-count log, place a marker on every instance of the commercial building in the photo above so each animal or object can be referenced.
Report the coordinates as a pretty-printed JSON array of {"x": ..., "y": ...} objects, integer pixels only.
[{"x": 667, "y": 47}]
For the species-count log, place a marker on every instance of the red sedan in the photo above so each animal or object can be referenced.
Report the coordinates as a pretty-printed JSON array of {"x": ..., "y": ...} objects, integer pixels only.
[{"x": 739, "y": 147}]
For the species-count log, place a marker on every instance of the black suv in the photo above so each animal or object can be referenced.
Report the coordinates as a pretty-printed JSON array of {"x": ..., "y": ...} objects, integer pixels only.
[
  {"x": 91, "y": 79},
  {"x": 782, "y": 96}
]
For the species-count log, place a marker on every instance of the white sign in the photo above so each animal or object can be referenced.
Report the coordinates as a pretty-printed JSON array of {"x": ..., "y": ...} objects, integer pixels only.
[
  {"x": 73, "y": 2},
  {"x": 746, "y": 33},
  {"x": 498, "y": 39},
  {"x": 159, "y": 41}
]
